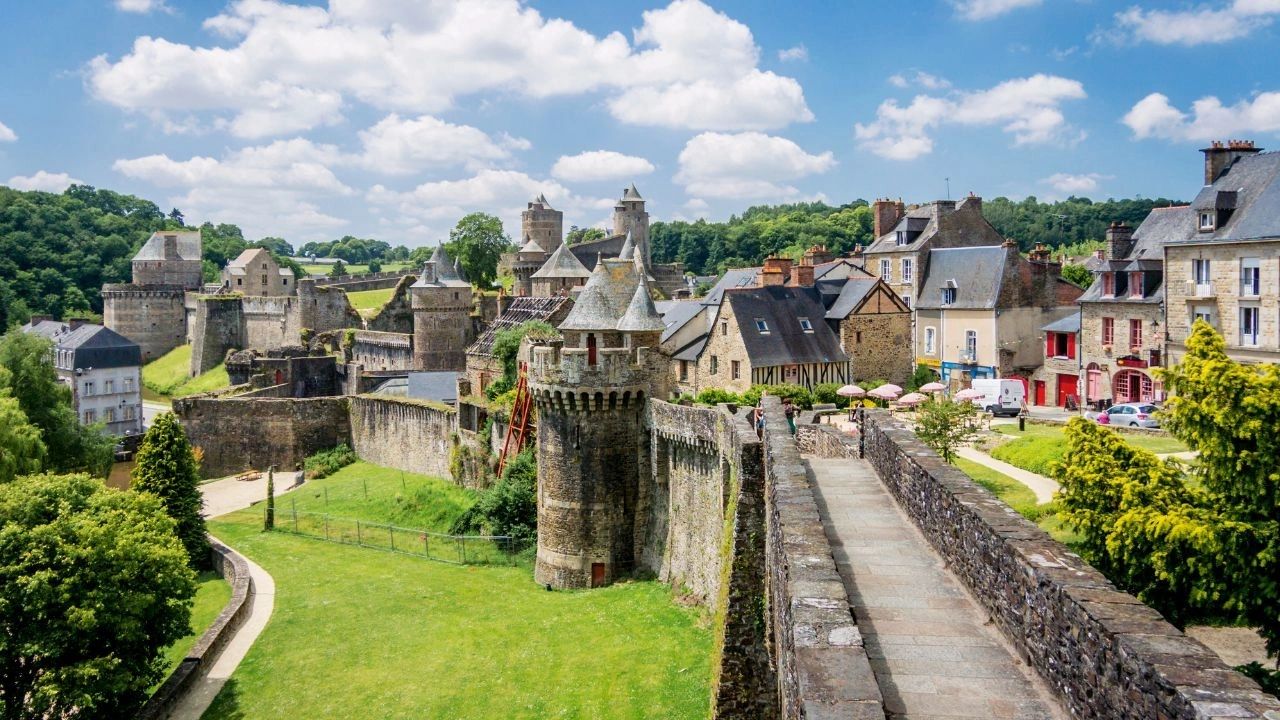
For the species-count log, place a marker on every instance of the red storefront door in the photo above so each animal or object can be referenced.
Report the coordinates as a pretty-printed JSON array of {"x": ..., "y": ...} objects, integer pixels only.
[
  {"x": 1068, "y": 385},
  {"x": 1040, "y": 392}
]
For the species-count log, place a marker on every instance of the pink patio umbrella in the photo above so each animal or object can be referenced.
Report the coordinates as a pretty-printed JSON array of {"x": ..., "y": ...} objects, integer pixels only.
[
  {"x": 885, "y": 392},
  {"x": 914, "y": 398},
  {"x": 933, "y": 387},
  {"x": 967, "y": 394},
  {"x": 851, "y": 391}
]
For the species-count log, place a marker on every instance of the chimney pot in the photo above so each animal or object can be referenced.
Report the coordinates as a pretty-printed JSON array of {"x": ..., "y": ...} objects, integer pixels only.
[{"x": 886, "y": 214}]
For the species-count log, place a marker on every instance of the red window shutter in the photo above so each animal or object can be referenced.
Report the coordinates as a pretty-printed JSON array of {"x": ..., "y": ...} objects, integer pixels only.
[
  {"x": 1071, "y": 346},
  {"x": 1048, "y": 345}
]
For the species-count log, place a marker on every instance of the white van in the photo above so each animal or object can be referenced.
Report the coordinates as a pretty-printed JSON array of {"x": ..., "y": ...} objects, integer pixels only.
[{"x": 1000, "y": 397}]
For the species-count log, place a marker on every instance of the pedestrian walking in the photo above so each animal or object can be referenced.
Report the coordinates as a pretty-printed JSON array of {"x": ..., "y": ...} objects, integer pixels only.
[{"x": 789, "y": 411}]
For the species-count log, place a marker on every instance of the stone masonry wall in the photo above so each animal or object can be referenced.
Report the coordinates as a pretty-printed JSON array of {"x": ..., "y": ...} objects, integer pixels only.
[
  {"x": 238, "y": 434},
  {"x": 397, "y": 315},
  {"x": 218, "y": 327},
  {"x": 368, "y": 281},
  {"x": 403, "y": 434},
  {"x": 1105, "y": 653},
  {"x": 822, "y": 667},
  {"x": 154, "y": 317},
  {"x": 826, "y": 442},
  {"x": 879, "y": 346}
]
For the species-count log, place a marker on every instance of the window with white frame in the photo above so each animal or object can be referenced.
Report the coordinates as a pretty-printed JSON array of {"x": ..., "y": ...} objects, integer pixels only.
[
  {"x": 907, "y": 270},
  {"x": 971, "y": 344},
  {"x": 1250, "y": 277},
  {"x": 805, "y": 325},
  {"x": 1202, "y": 312},
  {"x": 108, "y": 386},
  {"x": 128, "y": 384},
  {"x": 1249, "y": 316},
  {"x": 1200, "y": 271},
  {"x": 1207, "y": 221},
  {"x": 900, "y": 237},
  {"x": 109, "y": 415},
  {"x": 930, "y": 341},
  {"x": 906, "y": 300},
  {"x": 90, "y": 417},
  {"x": 886, "y": 270},
  {"x": 88, "y": 387},
  {"x": 129, "y": 412},
  {"x": 948, "y": 295},
  {"x": 762, "y": 326}
]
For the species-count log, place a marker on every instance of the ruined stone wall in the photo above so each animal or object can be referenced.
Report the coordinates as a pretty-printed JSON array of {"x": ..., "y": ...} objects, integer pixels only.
[
  {"x": 321, "y": 309},
  {"x": 397, "y": 315},
  {"x": 369, "y": 281},
  {"x": 218, "y": 327},
  {"x": 404, "y": 434},
  {"x": 822, "y": 667},
  {"x": 266, "y": 324},
  {"x": 154, "y": 317},
  {"x": 238, "y": 434},
  {"x": 380, "y": 351},
  {"x": 1105, "y": 653}
]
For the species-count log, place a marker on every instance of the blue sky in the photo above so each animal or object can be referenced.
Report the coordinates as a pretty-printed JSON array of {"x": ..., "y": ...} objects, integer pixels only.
[{"x": 391, "y": 120}]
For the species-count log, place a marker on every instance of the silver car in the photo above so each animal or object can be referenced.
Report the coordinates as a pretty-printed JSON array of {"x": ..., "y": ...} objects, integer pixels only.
[{"x": 1133, "y": 415}]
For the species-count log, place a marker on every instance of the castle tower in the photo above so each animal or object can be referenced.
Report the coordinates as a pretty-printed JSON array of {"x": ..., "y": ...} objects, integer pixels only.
[
  {"x": 630, "y": 217},
  {"x": 590, "y": 390},
  {"x": 441, "y": 302},
  {"x": 542, "y": 224}
]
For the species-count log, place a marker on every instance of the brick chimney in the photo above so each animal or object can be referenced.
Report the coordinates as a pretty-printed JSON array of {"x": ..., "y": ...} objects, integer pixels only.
[
  {"x": 1119, "y": 241},
  {"x": 37, "y": 319},
  {"x": 775, "y": 271},
  {"x": 801, "y": 276},
  {"x": 817, "y": 255},
  {"x": 972, "y": 202},
  {"x": 76, "y": 322},
  {"x": 1220, "y": 156},
  {"x": 1040, "y": 253},
  {"x": 887, "y": 214}
]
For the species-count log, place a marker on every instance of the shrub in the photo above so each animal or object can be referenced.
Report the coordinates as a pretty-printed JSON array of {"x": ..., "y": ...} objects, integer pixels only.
[
  {"x": 328, "y": 462},
  {"x": 799, "y": 395},
  {"x": 510, "y": 507},
  {"x": 715, "y": 396},
  {"x": 923, "y": 375},
  {"x": 167, "y": 468},
  {"x": 826, "y": 393}
]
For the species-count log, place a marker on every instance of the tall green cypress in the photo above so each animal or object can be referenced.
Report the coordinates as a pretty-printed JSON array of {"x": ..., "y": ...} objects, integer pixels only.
[{"x": 167, "y": 468}]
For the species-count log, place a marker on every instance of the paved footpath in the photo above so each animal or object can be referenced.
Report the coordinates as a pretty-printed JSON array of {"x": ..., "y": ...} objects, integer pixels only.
[
  {"x": 1043, "y": 487},
  {"x": 931, "y": 647}
]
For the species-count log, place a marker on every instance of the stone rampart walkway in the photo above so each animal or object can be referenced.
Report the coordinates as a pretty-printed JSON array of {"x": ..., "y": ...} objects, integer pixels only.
[{"x": 932, "y": 650}]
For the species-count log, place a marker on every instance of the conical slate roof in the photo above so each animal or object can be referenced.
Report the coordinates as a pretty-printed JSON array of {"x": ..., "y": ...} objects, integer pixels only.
[
  {"x": 532, "y": 246},
  {"x": 628, "y": 249},
  {"x": 442, "y": 267},
  {"x": 457, "y": 270},
  {"x": 542, "y": 199},
  {"x": 563, "y": 264},
  {"x": 631, "y": 193},
  {"x": 593, "y": 309},
  {"x": 641, "y": 315}
]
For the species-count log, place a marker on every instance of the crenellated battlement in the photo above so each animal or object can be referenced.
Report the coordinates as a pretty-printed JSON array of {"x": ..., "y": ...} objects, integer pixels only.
[{"x": 556, "y": 367}]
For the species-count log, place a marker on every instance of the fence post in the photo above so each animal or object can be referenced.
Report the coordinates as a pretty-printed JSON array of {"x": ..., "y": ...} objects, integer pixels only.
[
  {"x": 426, "y": 544},
  {"x": 391, "y": 530},
  {"x": 326, "y": 497},
  {"x": 359, "y": 540},
  {"x": 464, "y": 551},
  {"x": 326, "y": 527},
  {"x": 365, "y": 482}
]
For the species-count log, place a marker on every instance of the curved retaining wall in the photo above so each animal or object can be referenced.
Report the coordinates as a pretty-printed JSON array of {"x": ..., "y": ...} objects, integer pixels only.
[
  {"x": 822, "y": 666},
  {"x": 1105, "y": 653},
  {"x": 230, "y": 565}
]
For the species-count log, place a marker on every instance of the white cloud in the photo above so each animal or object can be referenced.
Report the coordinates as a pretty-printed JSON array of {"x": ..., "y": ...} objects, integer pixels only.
[
  {"x": 142, "y": 6},
  {"x": 267, "y": 190},
  {"x": 7, "y": 135},
  {"x": 42, "y": 180},
  {"x": 599, "y": 165},
  {"x": 1069, "y": 184},
  {"x": 746, "y": 165},
  {"x": 401, "y": 145},
  {"x": 987, "y": 9},
  {"x": 1199, "y": 25},
  {"x": 429, "y": 210},
  {"x": 1209, "y": 119},
  {"x": 290, "y": 67},
  {"x": 1027, "y": 108},
  {"x": 799, "y": 53},
  {"x": 923, "y": 79}
]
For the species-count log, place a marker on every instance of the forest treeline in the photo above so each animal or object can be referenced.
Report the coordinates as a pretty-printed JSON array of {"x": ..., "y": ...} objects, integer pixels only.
[{"x": 57, "y": 250}]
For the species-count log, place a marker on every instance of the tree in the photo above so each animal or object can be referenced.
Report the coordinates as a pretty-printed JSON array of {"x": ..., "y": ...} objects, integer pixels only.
[
  {"x": 1077, "y": 274},
  {"x": 945, "y": 425},
  {"x": 269, "y": 520},
  {"x": 477, "y": 241},
  {"x": 93, "y": 585},
  {"x": 167, "y": 469},
  {"x": 375, "y": 266},
  {"x": 21, "y": 450},
  {"x": 338, "y": 270},
  {"x": 46, "y": 403},
  {"x": 176, "y": 216},
  {"x": 580, "y": 235},
  {"x": 278, "y": 246},
  {"x": 506, "y": 347}
]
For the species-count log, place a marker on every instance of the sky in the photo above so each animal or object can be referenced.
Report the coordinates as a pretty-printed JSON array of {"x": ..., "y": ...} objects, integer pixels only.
[{"x": 392, "y": 119}]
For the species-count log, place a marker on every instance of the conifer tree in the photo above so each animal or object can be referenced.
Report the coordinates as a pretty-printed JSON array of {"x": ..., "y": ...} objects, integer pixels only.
[{"x": 167, "y": 468}]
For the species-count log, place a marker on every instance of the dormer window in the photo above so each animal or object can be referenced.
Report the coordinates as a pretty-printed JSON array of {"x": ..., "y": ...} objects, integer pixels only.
[
  {"x": 1135, "y": 284},
  {"x": 1108, "y": 284},
  {"x": 762, "y": 326},
  {"x": 1207, "y": 221},
  {"x": 901, "y": 237},
  {"x": 805, "y": 325},
  {"x": 948, "y": 295}
]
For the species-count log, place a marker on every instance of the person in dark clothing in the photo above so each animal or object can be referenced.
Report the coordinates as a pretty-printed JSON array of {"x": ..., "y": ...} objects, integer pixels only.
[{"x": 789, "y": 410}]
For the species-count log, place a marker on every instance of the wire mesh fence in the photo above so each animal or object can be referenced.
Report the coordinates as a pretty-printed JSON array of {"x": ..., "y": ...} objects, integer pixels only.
[{"x": 458, "y": 549}]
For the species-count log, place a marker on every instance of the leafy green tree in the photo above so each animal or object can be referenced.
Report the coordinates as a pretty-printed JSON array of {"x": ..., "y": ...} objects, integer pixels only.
[
  {"x": 46, "y": 402},
  {"x": 580, "y": 235},
  {"x": 93, "y": 585},
  {"x": 278, "y": 246},
  {"x": 167, "y": 469},
  {"x": 478, "y": 241},
  {"x": 21, "y": 450},
  {"x": 922, "y": 375},
  {"x": 1077, "y": 274},
  {"x": 510, "y": 507},
  {"x": 338, "y": 270},
  {"x": 375, "y": 266},
  {"x": 946, "y": 425}
]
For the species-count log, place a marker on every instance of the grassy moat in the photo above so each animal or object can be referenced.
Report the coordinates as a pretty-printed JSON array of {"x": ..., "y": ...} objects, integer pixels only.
[{"x": 362, "y": 633}]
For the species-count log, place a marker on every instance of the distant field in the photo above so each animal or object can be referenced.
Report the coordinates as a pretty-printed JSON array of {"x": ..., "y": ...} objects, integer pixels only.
[
  {"x": 369, "y": 302},
  {"x": 323, "y": 270},
  {"x": 167, "y": 375}
]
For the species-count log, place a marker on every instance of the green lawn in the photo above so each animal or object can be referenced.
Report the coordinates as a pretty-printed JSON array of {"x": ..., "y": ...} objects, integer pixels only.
[
  {"x": 362, "y": 633},
  {"x": 167, "y": 375},
  {"x": 1040, "y": 446},
  {"x": 1020, "y": 498},
  {"x": 212, "y": 594},
  {"x": 369, "y": 302},
  {"x": 319, "y": 270}
]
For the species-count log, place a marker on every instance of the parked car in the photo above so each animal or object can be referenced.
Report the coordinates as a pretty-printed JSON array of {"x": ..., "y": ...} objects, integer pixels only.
[
  {"x": 1000, "y": 396},
  {"x": 1131, "y": 415}
]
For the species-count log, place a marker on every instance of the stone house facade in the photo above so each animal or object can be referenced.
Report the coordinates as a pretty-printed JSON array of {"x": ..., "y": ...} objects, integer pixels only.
[
  {"x": 1057, "y": 382},
  {"x": 874, "y": 327},
  {"x": 152, "y": 309},
  {"x": 102, "y": 368},
  {"x": 256, "y": 272}
]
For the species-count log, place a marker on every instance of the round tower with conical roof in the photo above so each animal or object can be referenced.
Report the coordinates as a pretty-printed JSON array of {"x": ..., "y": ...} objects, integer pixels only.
[
  {"x": 590, "y": 391},
  {"x": 542, "y": 224},
  {"x": 630, "y": 218},
  {"x": 441, "y": 302}
]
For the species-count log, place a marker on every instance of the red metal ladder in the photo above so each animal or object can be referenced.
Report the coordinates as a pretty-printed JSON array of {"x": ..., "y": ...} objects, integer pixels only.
[{"x": 518, "y": 429}]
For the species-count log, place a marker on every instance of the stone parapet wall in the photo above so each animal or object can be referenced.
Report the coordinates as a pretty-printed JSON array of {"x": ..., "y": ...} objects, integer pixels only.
[
  {"x": 822, "y": 667},
  {"x": 404, "y": 434},
  {"x": 1102, "y": 651},
  {"x": 370, "y": 281},
  {"x": 235, "y": 570},
  {"x": 238, "y": 434},
  {"x": 826, "y": 442}
]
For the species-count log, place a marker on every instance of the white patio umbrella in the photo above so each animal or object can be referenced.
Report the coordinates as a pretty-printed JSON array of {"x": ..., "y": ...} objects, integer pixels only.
[
  {"x": 933, "y": 387},
  {"x": 914, "y": 398},
  {"x": 851, "y": 391},
  {"x": 967, "y": 394},
  {"x": 885, "y": 392}
]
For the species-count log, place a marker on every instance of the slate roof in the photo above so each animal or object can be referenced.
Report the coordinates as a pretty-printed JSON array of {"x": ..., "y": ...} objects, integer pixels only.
[
  {"x": 531, "y": 246},
  {"x": 1161, "y": 226},
  {"x": 446, "y": 272},
  {"x": 441, "y": 386},
  {"x": 239, "y": 266},
  {"x": 605, "y": 298},
  {"x": 1255, "y": 181},
  {"x": 641, "y": 315},
  {"x": 520, "y": 311},
  {"x": 677, "y": 313},
  {"x": 851, "y": 294},
  {"x": 92, "y": 346},
  {"x": 631, "y": 193},
  {"x": 562, "y": 264},
  {"x": 188, "y": 245},
  {"x": 1068, "y": 324},
  {"x": 628, "y": 250},
  {"x": 919, "y": 220},
  {"x": 786, "y": 342},
  {"x": 976, "y": 273}
]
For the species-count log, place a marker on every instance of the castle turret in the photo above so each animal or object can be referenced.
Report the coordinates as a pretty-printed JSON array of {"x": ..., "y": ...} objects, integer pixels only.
[
  {"x": 629, "y": 217},
  {"x": 441, "y": 302},
  {"x": 542, "y": 224}
]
